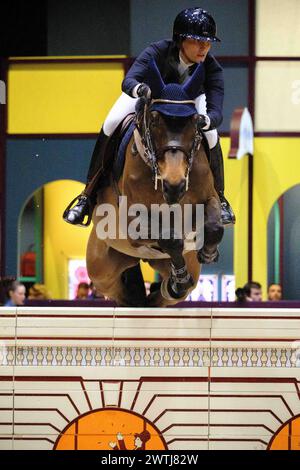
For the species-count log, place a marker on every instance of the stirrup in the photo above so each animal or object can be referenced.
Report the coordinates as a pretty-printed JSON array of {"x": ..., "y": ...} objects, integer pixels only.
[{"x": 90, "y": 211}]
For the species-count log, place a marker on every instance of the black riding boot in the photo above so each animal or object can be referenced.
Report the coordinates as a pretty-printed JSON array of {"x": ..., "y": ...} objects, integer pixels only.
[
  {"x": 87, "y": 199},
  {"x": 217, "y": 168}
]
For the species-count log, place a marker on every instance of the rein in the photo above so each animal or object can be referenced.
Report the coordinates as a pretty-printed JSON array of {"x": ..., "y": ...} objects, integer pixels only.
[{"x": 151, "y": 156}]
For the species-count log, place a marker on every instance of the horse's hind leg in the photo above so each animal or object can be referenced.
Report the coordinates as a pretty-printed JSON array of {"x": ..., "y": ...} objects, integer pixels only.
[
  {"x": 106, "y": 268},
  {"x": 133, "y": 282}
]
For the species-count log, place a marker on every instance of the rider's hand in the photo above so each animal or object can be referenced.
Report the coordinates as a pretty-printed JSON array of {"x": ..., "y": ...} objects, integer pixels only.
[
  {"x": 144, "y": 91},
  {"x": 203, "y": 122}
]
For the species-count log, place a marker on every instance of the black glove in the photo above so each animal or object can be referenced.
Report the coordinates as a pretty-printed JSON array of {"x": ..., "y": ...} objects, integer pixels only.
[
  {"x": 144, "y": 91},
  {"x": 202, "y": 122}
]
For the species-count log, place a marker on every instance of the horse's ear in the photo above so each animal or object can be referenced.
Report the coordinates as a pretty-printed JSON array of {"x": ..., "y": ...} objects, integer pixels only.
[
  {"x": 154, "y": 79},
  {"x": 191, "y": 87}
]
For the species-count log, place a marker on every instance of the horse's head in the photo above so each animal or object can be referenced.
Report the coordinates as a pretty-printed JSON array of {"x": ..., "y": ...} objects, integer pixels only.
[{"x": 169, "y": 130}]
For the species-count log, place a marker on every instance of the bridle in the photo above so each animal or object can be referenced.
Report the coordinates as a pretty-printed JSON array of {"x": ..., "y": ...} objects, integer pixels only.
[{"x": 151, "y": 155}]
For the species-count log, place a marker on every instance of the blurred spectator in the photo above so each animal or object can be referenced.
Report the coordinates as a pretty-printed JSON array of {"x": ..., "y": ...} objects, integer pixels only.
[
  {"x": 4, "y": 285},
  {"x": 83, "y": 290},
  {"x": 275, "y": 292},
  {"x": 16, "y": 294},
  {"x": 94, "y": 294},
  {"x": 38, "y": 292},
  {"x": 251, "y": 292},
  {"x": 240, "y": 295},
  {"x": 147, "y": 287}
]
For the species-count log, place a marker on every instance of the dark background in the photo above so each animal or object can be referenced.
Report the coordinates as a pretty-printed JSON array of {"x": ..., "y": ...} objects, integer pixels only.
[{"x": 96, "y": 27}]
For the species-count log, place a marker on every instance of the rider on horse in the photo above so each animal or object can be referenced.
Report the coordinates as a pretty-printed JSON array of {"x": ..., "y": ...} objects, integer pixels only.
[{"x": 193, "y": 32}]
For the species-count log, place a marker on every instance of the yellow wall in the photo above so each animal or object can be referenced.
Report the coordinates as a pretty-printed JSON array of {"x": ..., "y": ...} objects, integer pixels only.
[
  {"x": 276, "y": 169},
  {"x": 236, "y": 191},
  {"x": 61, "y": 97},
  {"x": 148, "y": 272},
  {"x": 62, "y": 241}
]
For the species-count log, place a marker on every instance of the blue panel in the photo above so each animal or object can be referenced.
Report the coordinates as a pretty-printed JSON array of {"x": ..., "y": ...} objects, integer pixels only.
[
  {"x": 27, "y": 227},
  {"x": 291, "y": 237},
  {"x": 271, "y": 241},
  {"x": 236, "y": 92},
  {"x": 30, "y": 165},
  {"x": 152, "y": 21},
  {"x": 225, "y": 263}
]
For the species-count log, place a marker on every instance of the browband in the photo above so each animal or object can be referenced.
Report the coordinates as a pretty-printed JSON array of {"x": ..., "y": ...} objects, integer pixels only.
[{"x": 173, "y": 101}]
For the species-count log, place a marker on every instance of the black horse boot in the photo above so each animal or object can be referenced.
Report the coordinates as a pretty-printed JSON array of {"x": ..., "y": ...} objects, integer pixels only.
[
  {"x": 87, "y": 199},
  {"x": 217, "y": 168}
]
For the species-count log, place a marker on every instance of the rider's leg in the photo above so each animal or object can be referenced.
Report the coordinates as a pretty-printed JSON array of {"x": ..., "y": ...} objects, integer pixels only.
[
  {"x": 217, "y": 166},
  {"x": 87, "y": 199}
]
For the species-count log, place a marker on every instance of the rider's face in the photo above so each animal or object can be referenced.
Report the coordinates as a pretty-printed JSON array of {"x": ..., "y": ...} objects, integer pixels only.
[{"x": 194, "y": 51}]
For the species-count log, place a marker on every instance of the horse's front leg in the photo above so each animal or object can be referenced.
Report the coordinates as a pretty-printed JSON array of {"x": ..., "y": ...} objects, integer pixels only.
[
  {"x": 213, "y": 233},
  {"x": 180, "y": 280}
]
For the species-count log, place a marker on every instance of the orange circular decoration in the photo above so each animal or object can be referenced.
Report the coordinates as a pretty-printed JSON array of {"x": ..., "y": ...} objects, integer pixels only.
[
  {"x": 110, "y": 429},
  {"x": 287, "y": 437}
]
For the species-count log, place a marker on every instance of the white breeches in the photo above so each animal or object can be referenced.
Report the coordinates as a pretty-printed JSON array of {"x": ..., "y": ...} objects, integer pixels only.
[
  {"x": 122, "y": 107},
  {"x": 126, "y": 105}
]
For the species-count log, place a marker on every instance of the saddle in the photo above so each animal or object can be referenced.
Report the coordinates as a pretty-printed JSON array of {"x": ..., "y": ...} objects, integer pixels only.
[
  {"x": 116, "y": 150},
  {"x": 126, "y": 132}
]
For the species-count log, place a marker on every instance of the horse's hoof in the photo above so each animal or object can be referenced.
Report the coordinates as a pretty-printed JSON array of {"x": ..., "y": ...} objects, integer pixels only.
[
  {"x": 208, "y": 258},
  {"x": 178, "y": 288}
]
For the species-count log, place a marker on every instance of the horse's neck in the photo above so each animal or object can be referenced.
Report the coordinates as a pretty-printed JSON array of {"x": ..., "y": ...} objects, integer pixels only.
[{"x": 135, "y": 169}]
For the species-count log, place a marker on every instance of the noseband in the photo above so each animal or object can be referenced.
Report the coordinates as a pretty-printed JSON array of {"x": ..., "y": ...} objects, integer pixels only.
[{"x": 151, "y": 155}]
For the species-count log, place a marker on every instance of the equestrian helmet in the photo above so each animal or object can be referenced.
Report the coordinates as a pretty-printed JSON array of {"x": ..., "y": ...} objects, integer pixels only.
[{"x": 195, "y": 23}]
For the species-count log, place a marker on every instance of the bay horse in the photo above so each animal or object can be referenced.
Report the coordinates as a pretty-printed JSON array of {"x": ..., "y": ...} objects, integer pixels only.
[{"x": 166, "y": 145}]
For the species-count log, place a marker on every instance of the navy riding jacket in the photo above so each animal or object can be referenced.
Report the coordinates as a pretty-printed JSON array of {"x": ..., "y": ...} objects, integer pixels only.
[{"x": 166, "y": 55}]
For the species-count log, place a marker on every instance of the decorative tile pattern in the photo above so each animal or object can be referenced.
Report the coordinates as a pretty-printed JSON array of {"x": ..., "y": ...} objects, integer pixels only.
[{"x": 147, "y": 357}]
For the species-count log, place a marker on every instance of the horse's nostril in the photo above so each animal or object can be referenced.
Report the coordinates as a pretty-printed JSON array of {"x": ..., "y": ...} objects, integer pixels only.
[
  {"x": 182, "y": 185},
  {"x": 173, "y": 188}
]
